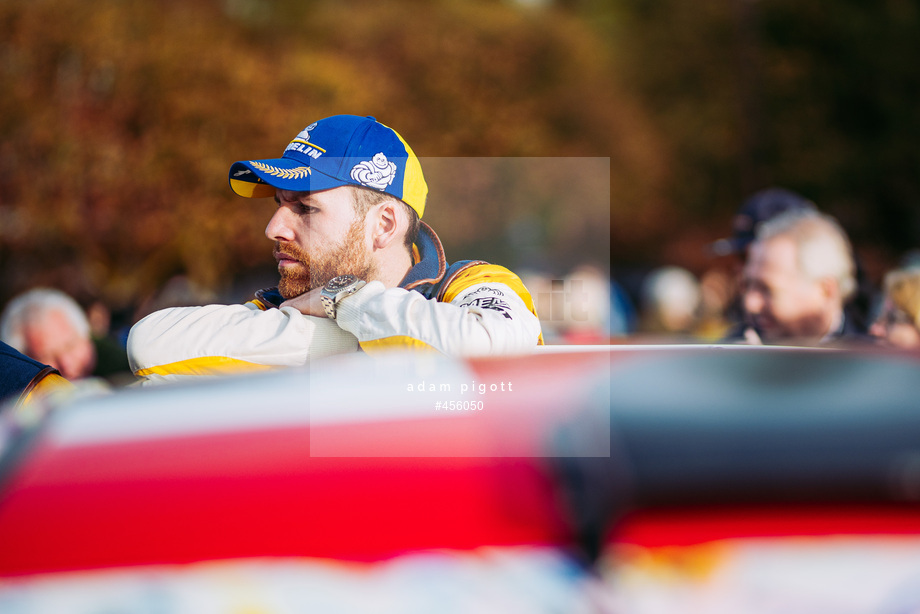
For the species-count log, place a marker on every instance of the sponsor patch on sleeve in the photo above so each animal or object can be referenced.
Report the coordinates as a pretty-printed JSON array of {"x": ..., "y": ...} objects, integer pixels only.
[{"x": 488, "y": 298}]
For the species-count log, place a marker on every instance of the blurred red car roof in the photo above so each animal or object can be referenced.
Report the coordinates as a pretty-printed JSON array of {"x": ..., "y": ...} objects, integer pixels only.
[{"x": 352, "y": 459}]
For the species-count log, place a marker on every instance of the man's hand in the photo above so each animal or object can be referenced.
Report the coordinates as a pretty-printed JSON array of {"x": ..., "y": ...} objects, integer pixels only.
[{"x": 309, "y": 303}]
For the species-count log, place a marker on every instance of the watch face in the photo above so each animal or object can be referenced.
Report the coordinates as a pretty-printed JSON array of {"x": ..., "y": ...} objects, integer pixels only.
[{"x": 340, "y": 282}]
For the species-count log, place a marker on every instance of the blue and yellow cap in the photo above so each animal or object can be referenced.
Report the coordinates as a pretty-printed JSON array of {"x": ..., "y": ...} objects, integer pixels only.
[{"x": 333, "y": 152}]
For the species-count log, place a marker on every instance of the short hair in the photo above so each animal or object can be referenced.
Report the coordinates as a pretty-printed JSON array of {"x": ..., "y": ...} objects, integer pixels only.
[
  {"x": 34, "y": 305},
  {"x": 822, "y": 247},
  {"x": 364, "y": 199},
  {"x": 903, "y": 288}
]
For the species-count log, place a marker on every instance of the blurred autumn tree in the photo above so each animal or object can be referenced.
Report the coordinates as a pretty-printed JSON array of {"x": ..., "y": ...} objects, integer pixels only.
[
  {"x": 816, "y": 96},
  {"x": 119, "y": 120}
]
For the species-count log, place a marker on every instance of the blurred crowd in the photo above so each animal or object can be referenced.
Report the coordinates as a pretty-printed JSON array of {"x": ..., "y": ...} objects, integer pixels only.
[{"x": 786, "y": 275}]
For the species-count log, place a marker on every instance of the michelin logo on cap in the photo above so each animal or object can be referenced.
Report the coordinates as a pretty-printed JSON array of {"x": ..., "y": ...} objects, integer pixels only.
[
  {"x": 302, "y": 144},
  {"x": 377, "y": 173}
]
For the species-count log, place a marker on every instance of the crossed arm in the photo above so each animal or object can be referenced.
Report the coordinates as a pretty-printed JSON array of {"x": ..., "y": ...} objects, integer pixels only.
[{"x": 184, "y": 342}]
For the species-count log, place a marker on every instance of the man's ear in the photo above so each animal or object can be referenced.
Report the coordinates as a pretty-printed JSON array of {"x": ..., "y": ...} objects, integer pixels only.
[{"x": 386, "y": 224}]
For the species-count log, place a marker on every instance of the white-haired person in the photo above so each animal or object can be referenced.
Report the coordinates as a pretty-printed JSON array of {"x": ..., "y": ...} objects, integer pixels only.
[
  {"x": 798, "y": 278},
  {"x": 50, "y": 327}
]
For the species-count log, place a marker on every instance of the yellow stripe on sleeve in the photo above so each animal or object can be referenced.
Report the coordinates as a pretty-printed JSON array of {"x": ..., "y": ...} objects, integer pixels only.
[
  {"x": 400, "y": 342},
  {"x": 207, "y": 365}
]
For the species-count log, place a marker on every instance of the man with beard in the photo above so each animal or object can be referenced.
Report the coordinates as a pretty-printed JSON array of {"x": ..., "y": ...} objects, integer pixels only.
[
  {"x": 358, "y": 267},
  {"x": 798, "y": 276}
]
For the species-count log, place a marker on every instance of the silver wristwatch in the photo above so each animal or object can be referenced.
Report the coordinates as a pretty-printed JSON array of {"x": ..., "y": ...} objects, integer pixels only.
[{"x": 338, "y": 288}]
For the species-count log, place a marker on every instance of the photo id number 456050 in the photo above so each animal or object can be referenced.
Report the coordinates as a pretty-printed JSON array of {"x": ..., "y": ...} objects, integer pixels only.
[{"x": 458, "y": 405}]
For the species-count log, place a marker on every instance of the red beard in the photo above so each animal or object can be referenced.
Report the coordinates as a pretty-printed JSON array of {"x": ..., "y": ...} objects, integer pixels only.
[{"x": 348, "y": 258}]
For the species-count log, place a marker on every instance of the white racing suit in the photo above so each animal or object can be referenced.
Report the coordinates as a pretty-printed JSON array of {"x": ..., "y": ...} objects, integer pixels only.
[{"x": 468, "y": 308}]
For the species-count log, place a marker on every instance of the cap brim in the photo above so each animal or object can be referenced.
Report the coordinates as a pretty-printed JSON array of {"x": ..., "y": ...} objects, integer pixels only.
[{"x": 260, "y": 178}]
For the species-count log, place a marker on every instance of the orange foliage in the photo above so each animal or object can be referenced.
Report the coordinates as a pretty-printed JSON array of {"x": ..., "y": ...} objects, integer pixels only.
[{"x": 120, "y": 120}]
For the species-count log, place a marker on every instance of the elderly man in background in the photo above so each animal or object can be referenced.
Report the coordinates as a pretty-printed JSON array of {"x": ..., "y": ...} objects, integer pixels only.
[
  {"x": 50, "y": 327},
  {"x": 799, "y": 275}
]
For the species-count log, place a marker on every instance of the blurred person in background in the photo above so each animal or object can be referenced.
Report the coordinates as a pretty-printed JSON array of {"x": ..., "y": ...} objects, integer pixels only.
[
  {"x": 756, "y": 209},
  {"x": 622, "y": 311},
  {"x": 588, "y": 301},
  {"x": 49, "y": 326},
  {"x": 358, "y": 268},
  {"x": 717, "y": 290},
  {"x": 111, "y": 354},
  {"x": 798, "y": 276},
  {"x": 24, "y": 380},
  {"x": 898, "y": 322},
  {"x": 670, "y": 302}
]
